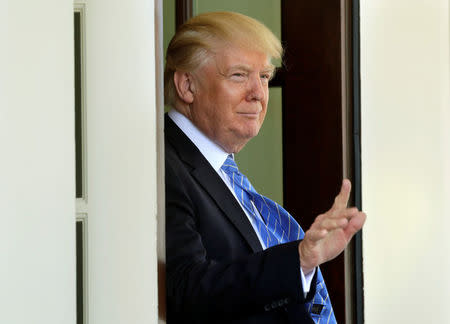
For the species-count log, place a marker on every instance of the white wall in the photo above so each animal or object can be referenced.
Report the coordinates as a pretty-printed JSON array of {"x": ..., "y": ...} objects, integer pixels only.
[
  {"x": 121, "y": 161},
  {"x": 37, "y": 169},
  {"x": 406, "y": 160},
  {"x": 37, "y": 196}
]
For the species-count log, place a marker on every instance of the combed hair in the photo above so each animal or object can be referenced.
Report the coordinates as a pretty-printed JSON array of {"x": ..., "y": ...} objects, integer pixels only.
[{"x": 197, "y": 39}]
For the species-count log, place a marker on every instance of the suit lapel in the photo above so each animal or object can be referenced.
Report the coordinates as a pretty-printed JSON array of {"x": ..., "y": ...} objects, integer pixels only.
[
  {"x": 227, "y": 203},
  {"x": 208, "y": 178}
]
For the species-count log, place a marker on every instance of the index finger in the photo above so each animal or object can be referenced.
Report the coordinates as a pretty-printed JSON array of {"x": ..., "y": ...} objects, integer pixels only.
[{"x": 342, "y": 198}]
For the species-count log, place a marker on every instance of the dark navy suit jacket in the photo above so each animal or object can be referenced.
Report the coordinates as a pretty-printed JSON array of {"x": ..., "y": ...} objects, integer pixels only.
[{"x": 216, "y": 270}]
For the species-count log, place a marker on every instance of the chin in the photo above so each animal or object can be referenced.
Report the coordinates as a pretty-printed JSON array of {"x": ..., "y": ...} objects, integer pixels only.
[
  {"x": 251, "y": 128},
  {"x": 247, "y": 136},
  {"x": 244, "y": 133}
]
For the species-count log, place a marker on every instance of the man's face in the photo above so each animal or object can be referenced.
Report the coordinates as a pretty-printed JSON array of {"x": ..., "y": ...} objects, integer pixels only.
[{"x": 230, "y": 96}]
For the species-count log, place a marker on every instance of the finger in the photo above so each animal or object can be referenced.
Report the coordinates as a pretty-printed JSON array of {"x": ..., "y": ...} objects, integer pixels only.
[
  {"x": 342, "y": 198},
  {"x": 315, "y": 235},
  {"x": 343, "y": 213},
  {"x": 331, "y": 224},
  {"x": 327, "y": 225},
  {"x": 350, "y": 212},
  {"x": 355, "y": 224}
]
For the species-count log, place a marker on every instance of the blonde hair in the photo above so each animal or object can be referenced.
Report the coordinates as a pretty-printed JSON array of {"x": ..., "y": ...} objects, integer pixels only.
[{"x": 196, "y": 40}]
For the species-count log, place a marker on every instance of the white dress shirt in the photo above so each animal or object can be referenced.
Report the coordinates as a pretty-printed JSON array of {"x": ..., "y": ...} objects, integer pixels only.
[{"x": 216, "y": 156}]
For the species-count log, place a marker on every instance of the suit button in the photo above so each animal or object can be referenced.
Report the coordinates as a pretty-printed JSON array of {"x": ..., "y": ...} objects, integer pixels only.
[{"x": 267, "y": 307}]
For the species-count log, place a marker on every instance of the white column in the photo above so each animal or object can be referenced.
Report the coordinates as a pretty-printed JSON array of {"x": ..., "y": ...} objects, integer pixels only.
[
  {"x": 37, "y": 184},
  {"x": 405, "y": 86},
  {"x": 121, "y": 161}
]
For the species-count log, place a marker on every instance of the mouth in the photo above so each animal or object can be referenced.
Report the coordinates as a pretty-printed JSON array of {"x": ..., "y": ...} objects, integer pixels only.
[{"x": 250, "y": 114}]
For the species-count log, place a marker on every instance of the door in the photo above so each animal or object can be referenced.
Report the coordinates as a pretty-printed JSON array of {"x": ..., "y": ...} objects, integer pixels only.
[{"x": 310, "y": 138}]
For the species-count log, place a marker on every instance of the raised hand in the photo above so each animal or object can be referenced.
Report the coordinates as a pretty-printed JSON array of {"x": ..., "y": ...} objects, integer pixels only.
[{"x": 331, "y": 232}]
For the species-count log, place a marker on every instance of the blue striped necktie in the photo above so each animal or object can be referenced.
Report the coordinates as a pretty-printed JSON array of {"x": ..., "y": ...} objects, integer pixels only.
[{"x": 276, "y": 226}]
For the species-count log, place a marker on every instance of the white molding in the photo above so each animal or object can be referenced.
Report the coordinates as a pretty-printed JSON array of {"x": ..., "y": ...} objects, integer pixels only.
[
  {"x": 161, "y": 209},
  {"x": 81, "y": 208},
  {"x": 121, "y": 157}
]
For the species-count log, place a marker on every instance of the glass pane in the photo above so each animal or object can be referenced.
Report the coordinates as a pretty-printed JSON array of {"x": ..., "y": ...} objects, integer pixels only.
[
  {"x": 78, "y": 107},
  {"x": 79, "y": 256}
]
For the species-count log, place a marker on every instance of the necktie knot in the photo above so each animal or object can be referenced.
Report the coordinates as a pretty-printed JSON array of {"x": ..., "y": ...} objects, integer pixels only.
[
  {"x": 229, "y": 166},
  {"x": 238, "y": 180}
]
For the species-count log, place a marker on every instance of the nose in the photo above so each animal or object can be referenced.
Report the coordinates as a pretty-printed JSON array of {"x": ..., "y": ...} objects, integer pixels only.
[{"x": 256, "y": 88}]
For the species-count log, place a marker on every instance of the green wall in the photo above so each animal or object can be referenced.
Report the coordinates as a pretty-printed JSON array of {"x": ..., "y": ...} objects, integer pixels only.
[
  {"x": 266, "y": 11},
  {"x": 168, "y": 27},
  {"x": 168, "y": 22},
  {"x": 261, "y": 159}
]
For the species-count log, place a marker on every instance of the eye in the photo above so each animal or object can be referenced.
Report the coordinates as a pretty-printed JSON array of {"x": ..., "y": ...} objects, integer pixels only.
[
  {"x": 239, "y": 76},
  {"x": 266, "y": 77}
]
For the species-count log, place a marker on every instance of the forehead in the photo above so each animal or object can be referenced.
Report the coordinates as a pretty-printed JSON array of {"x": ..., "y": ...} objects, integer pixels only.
[{"x": 229, "y": 57}]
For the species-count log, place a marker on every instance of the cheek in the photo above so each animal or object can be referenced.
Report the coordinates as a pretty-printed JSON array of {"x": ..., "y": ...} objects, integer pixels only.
[
  {"x": 266, "y": 96},
  {"x": 261, "y": 118},
  {"x": 264, "y": 108}
]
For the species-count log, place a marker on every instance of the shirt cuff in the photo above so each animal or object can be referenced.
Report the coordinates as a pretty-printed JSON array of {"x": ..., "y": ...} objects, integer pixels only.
[{"x": 306, "y": 281}]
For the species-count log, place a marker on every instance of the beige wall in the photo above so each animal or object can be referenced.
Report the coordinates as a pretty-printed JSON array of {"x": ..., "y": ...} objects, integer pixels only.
[
  {"x": 37, "y": 162},
  {"x": 406, "y": 160},
  {"x": 37, "y": 185}
]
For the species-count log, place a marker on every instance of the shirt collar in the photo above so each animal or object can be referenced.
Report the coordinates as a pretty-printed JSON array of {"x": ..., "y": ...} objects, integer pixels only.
[{"x": 213, "y": 153}]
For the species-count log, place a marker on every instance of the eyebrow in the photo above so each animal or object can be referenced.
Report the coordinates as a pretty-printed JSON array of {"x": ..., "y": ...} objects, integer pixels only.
[{"x": 244, "y": 67}]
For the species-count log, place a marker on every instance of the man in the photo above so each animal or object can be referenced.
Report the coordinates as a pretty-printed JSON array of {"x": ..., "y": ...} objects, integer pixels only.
[{"x": 234, "y": 256}]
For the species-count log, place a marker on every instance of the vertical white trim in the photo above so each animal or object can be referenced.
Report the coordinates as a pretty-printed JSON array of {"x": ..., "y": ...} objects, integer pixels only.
[
  {"x": 121, "y": 158},
  {"x": 159, "y": 68},
  {"x": 445, "y": 128}
]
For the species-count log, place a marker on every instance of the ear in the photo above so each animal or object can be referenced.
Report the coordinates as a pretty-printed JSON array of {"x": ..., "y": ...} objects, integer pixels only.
[{"x": 184, "y": 86}]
